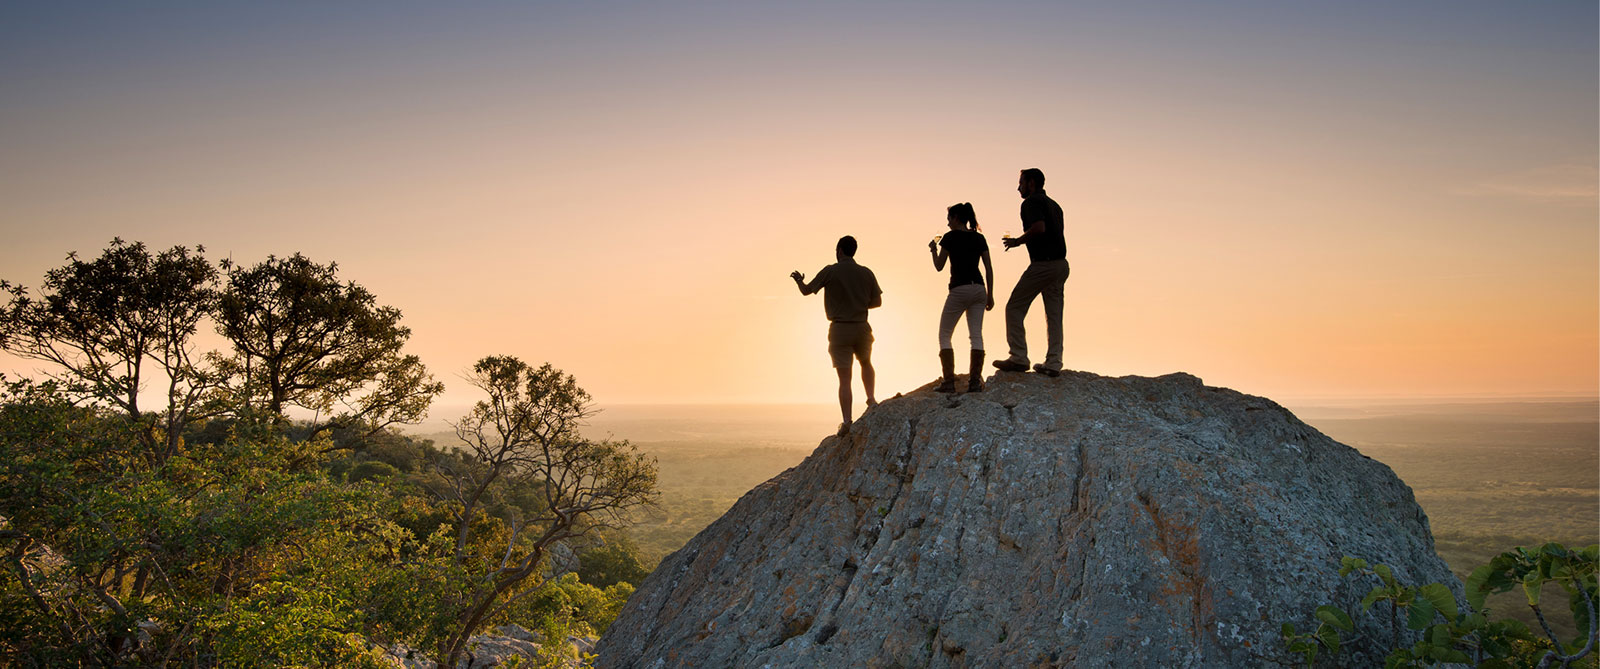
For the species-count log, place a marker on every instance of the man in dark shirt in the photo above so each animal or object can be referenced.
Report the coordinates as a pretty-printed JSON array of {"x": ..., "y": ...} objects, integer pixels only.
[
  {"x": 848, "y": 291},
  {"x": 1046, "y": 275}
]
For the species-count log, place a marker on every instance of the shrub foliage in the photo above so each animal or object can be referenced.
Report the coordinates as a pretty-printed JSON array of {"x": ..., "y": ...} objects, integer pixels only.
[
  {"x": 213, "y": 528},
  {"x": 1426, "y": 626}
]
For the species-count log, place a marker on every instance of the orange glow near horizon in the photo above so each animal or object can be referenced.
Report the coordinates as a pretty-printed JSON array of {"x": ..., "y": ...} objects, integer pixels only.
[{"x": 1309, "y": 225}]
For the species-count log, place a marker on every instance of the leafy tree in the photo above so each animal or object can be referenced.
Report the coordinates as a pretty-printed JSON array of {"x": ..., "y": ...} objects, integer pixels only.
[
  {"x": 1574, "y": 570},
  {"x": 613, "y": 559},
  {"x": 578, "y": 608},
  {"x": 302, "y": 338},
  {"x": 1440, "y": 631},
  {"x": 397, "y": 449},
  {"x": 526, "y": 432},
  {"x": 102, "y": 322}
]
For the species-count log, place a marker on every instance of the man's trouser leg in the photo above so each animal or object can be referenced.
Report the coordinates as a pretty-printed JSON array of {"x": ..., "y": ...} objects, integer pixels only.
[
  {"x": 1028, "y": 287},
  {"x": 1053, "y": 290}
]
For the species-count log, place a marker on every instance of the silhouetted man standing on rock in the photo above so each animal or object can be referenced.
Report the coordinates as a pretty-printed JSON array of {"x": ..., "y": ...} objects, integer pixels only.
[
  {"x": 1046, "y": 275},
  {"x": 848, "y": 291}
]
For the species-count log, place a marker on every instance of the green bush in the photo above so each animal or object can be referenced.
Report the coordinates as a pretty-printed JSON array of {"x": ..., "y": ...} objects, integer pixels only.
[
  {"x": 616, "y": 559},
  {"x": 286, "y": 623},
  {"x": 585, "y": 609},
  {"x": 1441, "y": 631},
  {"x": 219, "y": 548},
  {"x": 371, "y": 469}
]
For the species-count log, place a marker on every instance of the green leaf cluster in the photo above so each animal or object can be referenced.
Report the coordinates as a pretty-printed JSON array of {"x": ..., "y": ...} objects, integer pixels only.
[{"x": 1442, "y": 631}]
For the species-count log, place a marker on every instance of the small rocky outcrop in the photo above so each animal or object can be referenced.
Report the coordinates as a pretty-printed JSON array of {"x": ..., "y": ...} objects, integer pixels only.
[{"x": 1079, "y": 521}]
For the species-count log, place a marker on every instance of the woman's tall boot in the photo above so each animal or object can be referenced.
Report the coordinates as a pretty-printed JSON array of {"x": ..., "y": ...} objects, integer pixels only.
[{"x": 947, "y": 360}]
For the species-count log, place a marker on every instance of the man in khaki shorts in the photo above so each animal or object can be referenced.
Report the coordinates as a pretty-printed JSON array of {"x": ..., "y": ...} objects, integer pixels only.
[{"x": 848, "y": 291}]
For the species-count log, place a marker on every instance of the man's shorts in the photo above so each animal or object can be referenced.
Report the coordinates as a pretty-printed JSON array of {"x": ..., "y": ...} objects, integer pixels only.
[{"x": 846, "y": 339}]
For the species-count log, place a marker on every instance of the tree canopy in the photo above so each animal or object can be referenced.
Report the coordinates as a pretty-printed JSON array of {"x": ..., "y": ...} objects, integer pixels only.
[
  {"x": 102, "y": 322},
  {"x": 301, "y": 338},
  {"x": 525, "y": 434}
]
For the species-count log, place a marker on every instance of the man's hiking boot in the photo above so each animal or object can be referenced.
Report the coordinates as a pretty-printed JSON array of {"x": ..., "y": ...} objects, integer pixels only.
[
  {"x": 1009, "y": 366},
  {"x": 975, "y": 372},
  {"x": 947, "y": 362},
  {"x": 1052, "y": 373}
]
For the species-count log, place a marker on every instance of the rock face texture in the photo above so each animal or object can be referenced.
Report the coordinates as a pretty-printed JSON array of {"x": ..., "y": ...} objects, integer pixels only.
[{"x": 1078, "y": 521}]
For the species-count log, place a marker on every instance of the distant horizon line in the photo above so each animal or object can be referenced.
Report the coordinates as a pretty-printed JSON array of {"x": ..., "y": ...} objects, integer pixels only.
[
  {"x": 801, "y": 412},
  {"x": 1546, "y": 396},
  {"x": 1552, "y": 396}
]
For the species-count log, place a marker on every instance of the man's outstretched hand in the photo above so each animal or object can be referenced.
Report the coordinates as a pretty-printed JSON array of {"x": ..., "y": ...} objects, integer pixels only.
[{"x": 797, "y": 276}]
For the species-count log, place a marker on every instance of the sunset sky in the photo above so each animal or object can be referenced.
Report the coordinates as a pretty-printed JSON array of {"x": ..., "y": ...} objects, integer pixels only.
[{"x": 1292, "y": 199}]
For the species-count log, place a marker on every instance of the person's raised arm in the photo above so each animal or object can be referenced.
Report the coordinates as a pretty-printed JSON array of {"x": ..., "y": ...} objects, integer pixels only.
[
  {"x": 805, "y": 288},
  {"x": 988, "y": 278},
  {"x": 939, "y": 256}
]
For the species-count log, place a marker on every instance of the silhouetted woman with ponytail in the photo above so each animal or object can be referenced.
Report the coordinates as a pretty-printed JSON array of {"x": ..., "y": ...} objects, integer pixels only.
[{"x": 963, "y": 246}]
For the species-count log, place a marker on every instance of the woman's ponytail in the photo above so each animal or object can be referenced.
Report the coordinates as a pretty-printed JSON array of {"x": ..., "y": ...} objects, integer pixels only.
[{"x": 964, "y": 213}]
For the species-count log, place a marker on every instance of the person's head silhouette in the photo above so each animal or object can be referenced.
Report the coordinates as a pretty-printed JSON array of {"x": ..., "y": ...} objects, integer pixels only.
[
  {"x": 1030, "y": 181},
  {"x": 962, "y": 217},
  {"x": 846, "y": 247}
]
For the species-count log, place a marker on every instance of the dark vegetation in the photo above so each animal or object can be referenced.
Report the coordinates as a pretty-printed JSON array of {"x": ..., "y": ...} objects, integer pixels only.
[
  {"x": 212, "y": 528},
  {"x": 1423, "y": 626}
]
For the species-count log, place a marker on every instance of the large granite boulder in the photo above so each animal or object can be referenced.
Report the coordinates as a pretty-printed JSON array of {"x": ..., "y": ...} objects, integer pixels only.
[{"x": 1078, "y": 521}]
